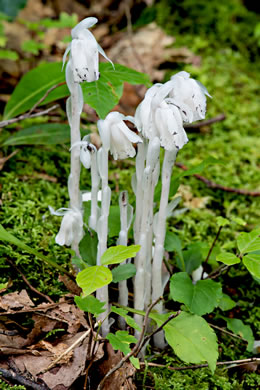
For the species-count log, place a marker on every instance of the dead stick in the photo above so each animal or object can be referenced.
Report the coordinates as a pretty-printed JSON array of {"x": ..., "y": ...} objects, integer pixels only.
[
  {"x": 227, "y": 332},
  {"x": 211, "y": 184},
  {"x": 29, "y": 384},
  {"x": 207, "y": 122},
  {"x": 136, "y": 347},
  {"x": 231, "y": 362},
  {"x": 45, "y": 95},
  {"x": 28, "y": 283},
  {"x": 31, "y": 310},
  {"x": 26, "y": 116},
  {"x": 80, "y": 339}
]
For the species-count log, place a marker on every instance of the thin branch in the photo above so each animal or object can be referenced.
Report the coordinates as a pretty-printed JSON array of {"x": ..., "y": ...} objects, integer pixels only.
[
  {"x": 214, "y": 274},
  {"x": 207, "y": 122},
  {"x": 211, "y": 184},
  {"x": 46, "y": 297},
  {"x": 29, "y": 384},
  {"x": 45, "y": 307},
  {"x": 227, "y": 332},
  {"x": 136, "y": 347},
  {"x": 171, "y": 317},
  {"x": 210, "y": 250},
  {"x": 80, "y": 339},
  {"x": 45, "y": 95},
  {"x": 193, "y": 367},
  {"x": 27, "y": 115}
]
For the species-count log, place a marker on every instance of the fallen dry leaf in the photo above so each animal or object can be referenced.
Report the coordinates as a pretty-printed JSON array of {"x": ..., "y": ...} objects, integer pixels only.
[
  {"x": 190, "y": 201},
  {"x": 15, "y": 300}
]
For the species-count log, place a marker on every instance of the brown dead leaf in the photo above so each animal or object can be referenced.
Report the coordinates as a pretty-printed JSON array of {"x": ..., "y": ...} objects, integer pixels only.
[
  {"x": 190, "y": 201},
  {"x": 56, "y": 350},
  {"x": 121, "y": 379},
  {"x": 15, "y": 300},
  {"x": 70, "y": 284}
]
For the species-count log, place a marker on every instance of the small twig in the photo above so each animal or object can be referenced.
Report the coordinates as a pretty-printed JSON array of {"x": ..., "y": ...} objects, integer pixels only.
[
  {"x": 193, "y": 367},
  {"x": 214, "y": 274},
  {"x": 211, "y": 184},
  {"x": 210, "y": 250},
  {"x": 171, "y": 317},
  {"x": 136, "y": 347},
  {"x": 45, "y": 95},
  {"x": 27, "y": 115},
  {"x": 29, "y": 384},
  {"x": 80, "y": 339},
  {"x": 46, "y": 297},
  {"x": 207, "y": 122},
  {"x": 31, "y": 310},
  {"x": 227, "y": 332}
]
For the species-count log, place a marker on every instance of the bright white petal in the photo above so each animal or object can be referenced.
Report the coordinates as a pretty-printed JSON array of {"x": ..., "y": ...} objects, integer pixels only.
[
  {"x": 85, "y": 156},
  {"x": 101, "y": 51},
  {"x": 131, "y": 136},
  {"x": 65, "y": 55},
  {"x": 104, "y": 132},
  {"x": 84, "y": 24},
  {"x": 84, "y": 56},
  {"x": 69, "y": 76}
]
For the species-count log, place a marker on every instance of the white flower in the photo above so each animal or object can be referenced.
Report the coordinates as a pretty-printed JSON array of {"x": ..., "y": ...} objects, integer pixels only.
[
  {"x": 86, "y": 151},
  {"x": 71, "y": 228},
  {"x": 169, "y": 126},
  {"x": 84, "y": 51},
  {"x": 117, "y": 137},
  {"x": 189, "y": 96}
]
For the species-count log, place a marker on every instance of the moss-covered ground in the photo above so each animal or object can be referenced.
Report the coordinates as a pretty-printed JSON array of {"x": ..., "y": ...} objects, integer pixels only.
[{"x": 230, "y": 71}]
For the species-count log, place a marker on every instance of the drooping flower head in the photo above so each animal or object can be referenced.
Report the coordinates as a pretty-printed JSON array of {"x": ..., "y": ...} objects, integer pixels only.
[
  {"x": 116, "y": 136},
  {"x": 166, "y": 106},
  {"x": 71, "y": 228},
  {"x": 84, "y": 51}
]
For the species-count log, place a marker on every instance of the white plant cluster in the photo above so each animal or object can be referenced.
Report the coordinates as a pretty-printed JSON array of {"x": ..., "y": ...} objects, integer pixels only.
[{"x": 159, "y": 122}]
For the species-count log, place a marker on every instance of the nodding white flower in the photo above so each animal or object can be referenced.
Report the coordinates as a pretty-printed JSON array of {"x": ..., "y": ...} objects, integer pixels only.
[
  {"x": 189, "y": 96},
  {"x": 71, "y": 228},
  {"x": 169, "y": 125},
  {"x": 116, "y": 136},
  {"x": 84, "y": 51},
  {"x": 86, "y": 151}
]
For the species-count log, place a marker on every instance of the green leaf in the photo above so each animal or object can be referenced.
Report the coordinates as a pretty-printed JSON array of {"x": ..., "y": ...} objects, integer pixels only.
[
  {"x": 11, "y": 8},
  {"x": 123, "y": 272},
  {"x": 3, "y": 286},
  {"x": 191, "y": 338},
  {"x": 104, "y": 94},
  {"x": 238, "y": 220},
  {"x": 93, "y": 278},
  {"x": 238, "y": 327},
  {"x": 79, "y": 263},
  {"x": 6, "y": 54},
  {"x": 200, "y": 298},
  {"x": 173, "y": 243},
  {"x": 252, "y": 263},
  {"x": 119, "y": 253},
  {"x": 90, "y": 304},
  {"x": 88, "y": 247},
  {"x": 6, "y": 236},
  {"x": 32, "y": 87},
  {"x": 226, "y": 303},
  {"x": 135, "y": 362},
  {"x": 32, "y": 46},
  {"x": 227, "y": 258},
  {"x": 42, "y": 134},
  {"x": 192, "y": 257},
  {"x": 114, "y": 221},
  {"x": 222, "y": 221},
  {"x": 249, "y": 242},
  {"x": 129, "y": 320},
  {"x": 121, "y": 341}
]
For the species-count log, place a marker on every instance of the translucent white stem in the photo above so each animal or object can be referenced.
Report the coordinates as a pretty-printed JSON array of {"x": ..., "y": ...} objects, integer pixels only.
[
  {"x": 122, "y": 240},
  {"x": 95, "y": 179},
  {"x": 160, "y": 230},
  {"x": 142, "y": 282},
  {"x": 140, "y": 161},
  {"x": 102, "y": 230}
]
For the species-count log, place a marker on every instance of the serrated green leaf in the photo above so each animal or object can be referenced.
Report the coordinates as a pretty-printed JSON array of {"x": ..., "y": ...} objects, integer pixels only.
[
  {"x": 200, "y": 298},
  {"x": 119, "y": 253},
  {"x": 191, "y": 338},
  {"x": 88, "y": 247},
  {"x": 252, "y": 263},
  {"x": 123, "y": 272},
  {"x": 90, "y": 304},
  {"x": 42, "y": 134},
  {"x": 93, "y": 278},
  {"x": 238, "y": 327},
  {"x": 222, "y": 221},
  {"x": 32, "y": 87},
  {"x": 226, "y": 303},
  {"x": 249, "y": 242},
  {"x": 8, "y": 237},
  {"x": 227, "y": 258}
]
